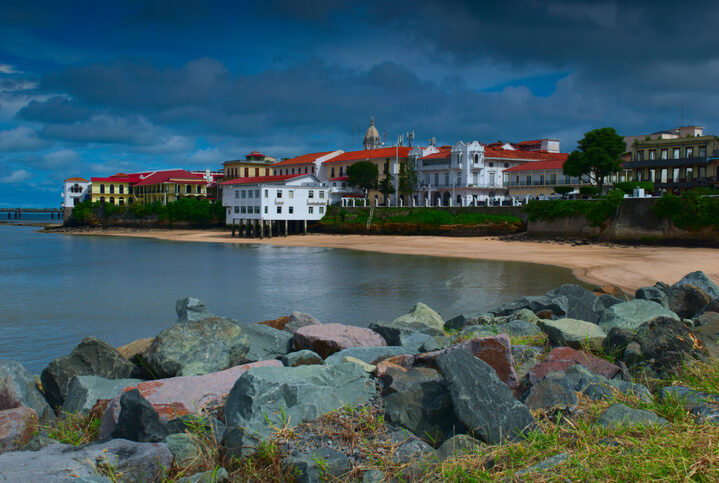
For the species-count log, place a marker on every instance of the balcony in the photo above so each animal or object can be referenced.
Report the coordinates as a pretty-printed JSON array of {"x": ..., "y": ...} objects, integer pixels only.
[
  {"x": 666, "y": 163},
  {"x": 685, "y": 183}
]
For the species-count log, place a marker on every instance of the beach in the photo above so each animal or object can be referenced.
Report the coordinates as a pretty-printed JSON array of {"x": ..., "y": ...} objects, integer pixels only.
[{"x": 627, "y": 267}]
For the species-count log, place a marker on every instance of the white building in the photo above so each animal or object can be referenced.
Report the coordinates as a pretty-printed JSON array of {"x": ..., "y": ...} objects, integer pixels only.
[
  {"x": 263, "y": 201},
  {"x": 75, "y": 190}
]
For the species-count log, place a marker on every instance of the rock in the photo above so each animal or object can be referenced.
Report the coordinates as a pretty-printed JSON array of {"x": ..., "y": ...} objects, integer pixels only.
[
  {"x": 619, "y": 415},
  {"x": 551, "y": 394},
  {"x": 668, "y": 343},
  {"x": 39, "y": 441},
  {"x": 523, "y": 353},
  {"x": 617, "y": 341},
  {"x": 578, "y": 378},
  {"x": 370, "y": 355},
  {"x": 287, "y": 396},
  {"x": 85, "y": 391},
  {"x": 700, "y": 280},
  {"x": 713, "y": 307},
  {"x": 456, "y": 323},
  {"x": 299, "y": 320},
  {"x": 519, "y": 328},
  {"x": 544, "y": 465},
  {"x": 368, "y": 368},
  {"x": 481, "y": 400},
  {"x": 135, "y": 348},
  {"x": 574, "y": 333},
  {"x": 419, "y": 342},
  {"x": 218, "y": 475},
  {"x": 18, "y": 388},
  {"x": 140, "y": 462},
  {"x": 702, "y": 405},
  {"x": 581, "y": 303},
  {"x": 278, "y": 324},
  {"x": 184, "y": 448},
  {"x": 17, "y": 427},
  {"x": 609, "y": 300},
  {"x": 213, "y": 344},
  {"x": 687, "y": 300},
  {"x": 630, "y": 315},
  {"x": 707, "y": 327},
  {"x": 562, "y": 358},
  {"x": 91, "y": 357},
  {"x": 633, "y": 353},
  {"x": 525, "y": 315},
  {"x": 461, "y": 444},
  {"x": 324, "y": 464},
  {"x": 301, "y": 358},
  {"x": 138, "y": 420},
  {"x": 327, "y": 339},
  {"x": 179, "y": 396},
  {"x": 421, "y": 319},
  {"x": 421, "y": 314},
  {"x": 410, "y": 449},
  {"x": 557, "y": 305},
  {"x": 653, "y": 294},
  {"x": 212, "y": 427},
  {"x": 418, "y": 399},
  {"x": 191, "y": 309},
  {"x": 373, "y": 476}
]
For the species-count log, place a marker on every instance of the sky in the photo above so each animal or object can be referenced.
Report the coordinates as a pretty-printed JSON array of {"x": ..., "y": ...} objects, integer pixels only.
[{"x": 95, "y": 88}]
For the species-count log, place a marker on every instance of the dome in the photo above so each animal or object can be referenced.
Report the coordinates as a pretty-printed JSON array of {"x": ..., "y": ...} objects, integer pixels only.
[{"x": 372, "y": 139}]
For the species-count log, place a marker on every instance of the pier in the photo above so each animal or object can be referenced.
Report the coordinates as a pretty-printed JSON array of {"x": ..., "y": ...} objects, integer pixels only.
[{"x": 16, "y": 213}]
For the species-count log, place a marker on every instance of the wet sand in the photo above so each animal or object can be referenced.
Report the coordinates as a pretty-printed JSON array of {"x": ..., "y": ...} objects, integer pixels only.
[{"x": 627, "y": 267}]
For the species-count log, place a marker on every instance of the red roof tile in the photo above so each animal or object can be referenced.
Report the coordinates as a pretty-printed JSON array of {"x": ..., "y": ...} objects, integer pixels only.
[
  {"x": 524, "y": 155},
  {"x": 537, "y": 165},
  {"x": 75, "y": 179},
  {"x": 304, "y": 159},
  {"x": 261, "y": 179},
  {"x": 340, "y": 178},
  {"x": 170, "y": 176},
  {"x": 402, "y": 151},
  {"x": 442, "y": 154}
]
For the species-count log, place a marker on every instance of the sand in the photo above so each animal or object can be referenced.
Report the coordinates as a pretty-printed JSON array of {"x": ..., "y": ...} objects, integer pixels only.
[{"x": 627, "y": 267}]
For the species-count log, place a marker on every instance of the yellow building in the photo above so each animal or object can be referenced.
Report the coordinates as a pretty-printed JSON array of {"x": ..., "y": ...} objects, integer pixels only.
[
  {"x": 163, "y": 186},
  {"x": 114, "y": 189},
  {"x": 255, "y": 164}
]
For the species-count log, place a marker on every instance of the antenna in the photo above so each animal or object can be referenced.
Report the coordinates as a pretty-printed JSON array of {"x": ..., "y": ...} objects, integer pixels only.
[
  {"x": 410, "y": 138},
  {"x": 399, "y": 140}
]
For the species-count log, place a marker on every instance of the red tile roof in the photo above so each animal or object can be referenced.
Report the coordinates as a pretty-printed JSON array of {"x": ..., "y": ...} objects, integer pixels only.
[
  {"x": 340, "y": 178},
  {"x": 75, "y": 179},
  {"x": 119, "y": 178},
  {"x": 524, "y": 155},
  {"x": 261, "y": 179},
  {"x": 537, "y": 165},
  {"x": 442, "y": 154},
  {"x": 304, "y": 159},
  {"x": 170, "y": 176},
  {"x": 401, "y": 151}
]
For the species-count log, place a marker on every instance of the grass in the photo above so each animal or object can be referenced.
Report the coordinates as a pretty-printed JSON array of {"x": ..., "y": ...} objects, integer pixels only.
[{"x": 75, "y": 429}]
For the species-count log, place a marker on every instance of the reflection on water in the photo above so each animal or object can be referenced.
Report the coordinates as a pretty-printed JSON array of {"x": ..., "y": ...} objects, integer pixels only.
[{"x": 56, "y": 289}]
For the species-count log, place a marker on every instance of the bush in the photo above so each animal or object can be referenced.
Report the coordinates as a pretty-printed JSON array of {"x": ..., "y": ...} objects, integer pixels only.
[
  {"x": 692, "y": 210},
  {"x": 597, "y": 212},
  {"x": 563, "y": 190},
  {"x": 587, "y": 190},
  {"x": 629, "y": 186}
]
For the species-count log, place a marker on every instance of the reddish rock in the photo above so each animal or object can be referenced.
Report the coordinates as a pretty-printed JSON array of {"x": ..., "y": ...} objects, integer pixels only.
[
  {"x": 17, "y": 427},
  {"x": 327, "y": 339},
  {"x": 402, "y": 362},
  {"x": 139, "y": 347},
  {"x": 278, "y": 324},
  {"x": 562, "y": 357},
  {"x": 177, "y": 396}
]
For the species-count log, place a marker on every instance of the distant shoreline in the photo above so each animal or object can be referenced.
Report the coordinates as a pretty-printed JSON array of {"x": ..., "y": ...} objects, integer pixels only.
[{"x": 627, "y": 267}]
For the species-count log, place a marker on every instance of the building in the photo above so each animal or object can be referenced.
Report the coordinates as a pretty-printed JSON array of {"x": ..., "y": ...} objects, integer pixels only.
[
  {"x": 114, "y": 189},
  {"x": 538, "y": 179},
  {"x": 75, "y": 190},
  {"x": 473, "y": 173},
  {"x": 164, "y": 186},
  {"x": 306, "y": 164},
  {"x": 267, "y": 200},
  {"x": 255, "y": 164},
  {"x": 372, "y": 139},
  {"x": 675, "y": 160}
]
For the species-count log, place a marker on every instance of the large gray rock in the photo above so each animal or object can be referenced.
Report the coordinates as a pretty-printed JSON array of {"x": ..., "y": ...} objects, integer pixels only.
[
  {"x": 458, "y": 445},
  {"x": 518, "y": 328},
  {"x": 551, "y": 394},
  {"x": 557, "y": 305},
  {"x": 191, "y": 309},
  {"x": 85, "y": 391},
  {"x": 707, "y": 326},
  {"x": 687, "y": 300},
  {"x": 299, "y": 320},
  {"x": 421, "y": 319},
  {"x": 138, "y": 420},
  {"x": 668, "y": 344},
  {"x": 653, "y": 294},
  {"x": 91, "y": 357},
  {"x": 185, "y": 448},
  {"x": 702, "y": 405},
  {"x": 324, "y": 464},
  {"x": 578, "y": 378},
  {"x": 581, "y": 303},
  {"x": 699, "y": 279},
  {"x": 423, "y": 315},
  {"x": 137, "y": 462},
  {"x": 370, "y": 355},
  {"x": 418, "y": 399},
  {"x": 630, "y": 315},
  {"x": 304, "y": 357},
  {"x": 481, "y": 400},
  {"x": 264, "y": 397},
  {"x": 18, "y": 388},
  {"x": 213, "y": 344},
  {"x": 573, "y": 333},
  {"x": 544, "y": 465},
  {"x": 622, "y": 415},
  {"x": 327, "y": 339}
]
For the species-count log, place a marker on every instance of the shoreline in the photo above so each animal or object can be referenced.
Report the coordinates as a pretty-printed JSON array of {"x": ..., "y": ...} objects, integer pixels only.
[{"x": 626, "y": 267}]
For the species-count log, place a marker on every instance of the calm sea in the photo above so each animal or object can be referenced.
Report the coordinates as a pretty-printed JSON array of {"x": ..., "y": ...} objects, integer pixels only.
[{"x": 56, "y": 289}]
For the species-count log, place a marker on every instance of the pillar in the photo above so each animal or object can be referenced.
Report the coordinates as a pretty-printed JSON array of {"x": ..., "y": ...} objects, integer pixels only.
[
  {"x": 305, "y": 227},
  {"x": 269, "y": 228},
  {"x": 285, "y": 227},
  {"x": 262, "y": 228}
]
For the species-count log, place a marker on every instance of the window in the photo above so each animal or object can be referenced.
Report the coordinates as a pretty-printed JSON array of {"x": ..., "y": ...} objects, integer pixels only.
[
  {"x": 446, "y": 179},
  {"x": 237, "y": 194},
  {"x": 247, "y": 172},
  {"x": 311, "y": 194},
  {"x": 250, "y": 193},
  {"x": 491, "y": 165},
  {"x": 291, "y": 209},
  {"x": 322, "y": 210},
  {"x": 291, "y": 194},
  {"x": 237, "y": 209},
  {"x": 257, "y": 172},
  {"x": 243, "y": 209},
  {"x": 690, "y": 152},
  {"x": 121, "y": 201},
  {"x": 267, "y": 193},
  {"x": 652, "y": 154},
  {"x": 188, "y": 189},
  {"x": 553, "y": 178},
  {"x": 122, "y": 189},
  {"x": 102, "y": 199},
  {"x": 675, "y": 154},
  {"x": 476, "y": 179},
  {"x": 436, "y": 179},
  {"x": 293, "y": 170},
  {"x": 342, "y": 170},
  {"x": 665, "y": 154},
  {"x": 244, "y": 194},
  {"x": 112, "y": 200},
  {"x": 279, "y": 193},
  {"x": 102, "y": 188},
  {"x": 199, "y": 189},
  {"x": 112, "y": 188},
  {"x": 640, "y": 156},
  {"x": 257, "y": 210},
  {"x": 265, "y": 209},
  {"x": 311, "y": 209},
  {"x": 529, "y": 179},
  {"x": 257, "y": 194},
  {"x": 305, "y": 169},
  {"x": 322, "y": 194},
  {"x": 702, "y": 151},
  {"x": 506, "y": 165},
  {"x": 476, "y": 159},
  {"x": 332, "y": 172},
  {"x": 459, "y": 179},
  {"x": 279, "y": 210},
  {"x": 675, "y": 174}
]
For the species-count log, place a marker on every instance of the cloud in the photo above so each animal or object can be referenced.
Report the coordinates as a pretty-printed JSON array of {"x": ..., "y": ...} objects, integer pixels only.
[
  {"x": 8, "y": 69},
  {"x": 18, "y": 176},
  {"x": 57, "y": 109},
  {"x": 21, "y": 138},
  {"x": 63, "y": 158}
]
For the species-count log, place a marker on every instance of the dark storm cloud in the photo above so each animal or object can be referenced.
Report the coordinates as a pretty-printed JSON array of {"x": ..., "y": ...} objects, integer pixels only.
[{"x": 57, "y": 109}]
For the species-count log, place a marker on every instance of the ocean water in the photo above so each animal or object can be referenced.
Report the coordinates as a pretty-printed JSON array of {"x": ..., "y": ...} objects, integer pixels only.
[{"x": 56, "y": 289}]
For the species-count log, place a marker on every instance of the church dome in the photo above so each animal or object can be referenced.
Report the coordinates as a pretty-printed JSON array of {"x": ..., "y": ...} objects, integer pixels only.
[{"x": 372, "y": 139}]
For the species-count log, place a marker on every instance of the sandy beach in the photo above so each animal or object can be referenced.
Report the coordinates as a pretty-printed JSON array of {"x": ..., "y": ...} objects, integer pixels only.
[{"x": 628, "y": 267}]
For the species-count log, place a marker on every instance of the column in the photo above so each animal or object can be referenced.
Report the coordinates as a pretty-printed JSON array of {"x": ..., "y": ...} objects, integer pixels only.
[
  {"x": 262, "y": 228},
  {"x": 285, "y": 227},
  {"x": 305, "y": 227}
]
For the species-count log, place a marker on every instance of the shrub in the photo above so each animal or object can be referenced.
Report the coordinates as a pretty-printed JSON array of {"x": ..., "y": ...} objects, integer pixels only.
[
  {"x": 597, "y": 212},
  {"x": 587, "y": 190},
  {"x": 629, "y": 186},
  {"x": 691, "y": 210},
  {"x": 563, "y": 190}
]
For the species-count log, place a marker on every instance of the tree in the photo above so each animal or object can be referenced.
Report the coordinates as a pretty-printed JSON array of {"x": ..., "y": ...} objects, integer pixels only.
[
  {"x": 598, "y": 156},
  {"x": 407, "y": 180},
  {"x": 363, "y": 175},
  {"x": 385, "y": 186}
]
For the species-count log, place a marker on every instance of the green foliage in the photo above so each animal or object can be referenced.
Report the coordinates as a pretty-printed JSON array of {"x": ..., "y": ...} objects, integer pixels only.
[
  {"x": 407, "y": 179},
  {"x": 629, "y": 186},
  {"x": 420, "y": 216},
  {"x": 363, "y": 175},
  {"x": 184, "y": 209},
  {"x": 385, "y": 186},
  {"x": 598, "y": 156},
  {"x": 691, "y": 210},
  {"x": 597, "y": 212},
  {"x": 563, "y": 190},
  {"x": 75, "y": 429},
  {"x": 588, "y": 190}
]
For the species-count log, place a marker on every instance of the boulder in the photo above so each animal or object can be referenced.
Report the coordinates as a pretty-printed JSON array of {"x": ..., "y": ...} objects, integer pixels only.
[
  {"x": 630, "y": 315},
  {"x": 525, "y": 315},
  {"x": 573, "y": 333},
  {"x": 140, "y": 462},
  {"x": 580, "y": 379},
  {"x": 687, "y": 300},
  {"x": 299, "y": 320},
  {"x": 700, "y": 280},
  {"x": 370, "y": 355},
  {"x": 213, "y": 344},
  {"x": 702, "y": 405},
  {"x": 286, "y": 396},
  {"x": 458, "y": 322},
  {"x": 179, "y": 396},
  {"x": 18, "y": 388},
  {"x": 544, "y": 465},
  {"x": 208, "y": 426},
  {"x": 301, "y": 358},
  {"x": 85, "y": 391},
  {"x": 653, "y": 294},
  {"x": 324, "y": 464},
  {"x": 218, "y": 475},
  {"x": 419, "y": 342},
  {"x": 138, "y": 420},
  {"x": 668, "y": 343},
  {"x": 609, "y": 300},
  {"x": 617, "y": 341},
  {"x": 368, "y": 368},
  {"x": 558, "y": 306},
  {"x": 327, "y": 339},
  {"x": 707, "y": 327},
  {"x": 418, "y": 399},
  {"x": 91, "y": 357},
  {"x": 184, "y": 447},
  {"x": 135, "y": 348},
  {"x": 562, "y": 358},
  {"x": 421, "y": 319},
  {"x": 581, "y": 303},
  {"x": 550, "y": 394},
  {"x": 191, "y": 309},
  {"x": 17, "y": 427},
  {"x": 622, "y": 415},
  {"x": 278, "y": 324},
  {"x": 519, "y": 328},
  {"x": 421, "y": 314},
  {"x": 411, "y": 449},
  {"x": 458, "y": 445},
  {"x": 481, "y": 400}
]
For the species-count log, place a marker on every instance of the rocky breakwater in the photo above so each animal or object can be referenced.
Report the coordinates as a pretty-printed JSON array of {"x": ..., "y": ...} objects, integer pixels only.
[{"x": 214, "y": 399}]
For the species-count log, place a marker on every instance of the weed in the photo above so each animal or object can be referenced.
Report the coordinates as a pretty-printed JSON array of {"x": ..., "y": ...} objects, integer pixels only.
[{"x": 75, "y": 429}]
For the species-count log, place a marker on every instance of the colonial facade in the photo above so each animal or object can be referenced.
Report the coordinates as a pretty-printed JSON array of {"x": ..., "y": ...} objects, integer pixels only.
[
  {"x": 255, "y": 164},
  {"x": 114, "y": 189},
  {"x": 537, "y": 179},
  {"x": 75, "y": 190},
  {"x": 306, "y": 164},
  {"x": 164, "y": 186}
]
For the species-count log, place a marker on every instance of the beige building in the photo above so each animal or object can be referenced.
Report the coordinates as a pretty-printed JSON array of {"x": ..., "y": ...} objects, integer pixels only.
[{"x": 255, "y": 164}]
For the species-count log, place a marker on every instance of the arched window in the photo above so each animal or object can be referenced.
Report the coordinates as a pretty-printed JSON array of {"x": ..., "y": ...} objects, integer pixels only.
[
  {"x": 491, "y": 165},
  {"x": 102, "y": 189},
  {"x": 506, "y": 165},
  {"x": 476, "y": 158},
  {"x": 121, "y": 201},
  {"x": 188, "y": 189},
  {"x": 122, "y": 189},
  {"x": 102, "y": 199},
  {"x": 112, "y": 188},
  {"x": 112, "y": 200},
  {"x": 199, "y": 189}
]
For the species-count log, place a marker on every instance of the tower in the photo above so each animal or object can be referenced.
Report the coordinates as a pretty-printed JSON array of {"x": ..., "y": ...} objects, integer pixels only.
[{"x": 372, "y": 139}]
